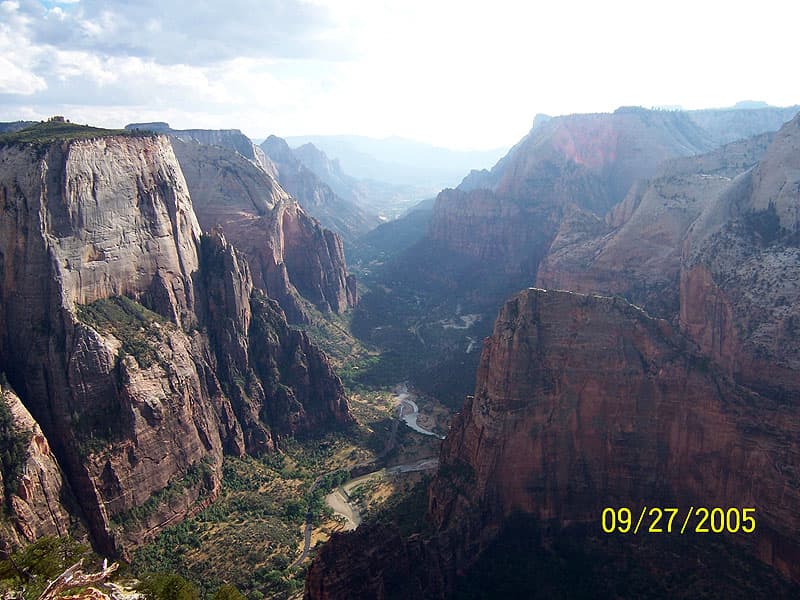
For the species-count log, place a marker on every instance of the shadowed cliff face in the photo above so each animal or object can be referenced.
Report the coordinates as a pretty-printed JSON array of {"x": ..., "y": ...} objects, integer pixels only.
[
  {"x": 104, "y": 290},
  {"x": 40, "y": 495},
  {"x": 584, "y": 402},
  {"x": 291, "y": 255}
]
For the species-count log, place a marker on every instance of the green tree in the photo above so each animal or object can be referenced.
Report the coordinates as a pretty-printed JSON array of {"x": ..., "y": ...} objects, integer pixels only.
[
  {"x": 162, "y": 586},
  {"x": 228, "y": 592}
]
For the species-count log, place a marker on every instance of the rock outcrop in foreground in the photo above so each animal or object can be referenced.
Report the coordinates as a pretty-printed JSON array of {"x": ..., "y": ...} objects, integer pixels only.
[
  {"x": 584, "y": 402},
  {"x": 139, "y": 346}
]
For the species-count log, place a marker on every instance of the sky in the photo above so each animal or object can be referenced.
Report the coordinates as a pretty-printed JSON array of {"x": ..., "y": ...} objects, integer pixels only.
[{"x": 458, "y": 74}]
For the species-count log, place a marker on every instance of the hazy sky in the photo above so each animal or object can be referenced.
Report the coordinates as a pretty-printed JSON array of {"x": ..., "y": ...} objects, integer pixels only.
[{"x": 455, "y": 73}]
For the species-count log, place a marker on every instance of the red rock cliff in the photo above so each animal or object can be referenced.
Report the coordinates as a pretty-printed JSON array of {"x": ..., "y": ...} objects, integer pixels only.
[{"x": 584, "y": 402}]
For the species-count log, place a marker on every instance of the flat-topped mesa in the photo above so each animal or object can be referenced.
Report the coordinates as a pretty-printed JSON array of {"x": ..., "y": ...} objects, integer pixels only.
[
  {"x": 291, "y": 255},
  {"x": 105, "y": 297}
]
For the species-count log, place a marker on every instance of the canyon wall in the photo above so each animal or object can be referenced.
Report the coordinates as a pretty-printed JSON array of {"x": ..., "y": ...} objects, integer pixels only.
[
  {"x": 293, "y": 258},
  {"x": 106, "y": 299}
]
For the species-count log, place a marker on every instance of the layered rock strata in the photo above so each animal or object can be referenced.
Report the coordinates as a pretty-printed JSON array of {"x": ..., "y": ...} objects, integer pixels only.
[{"x": 344, "y": 216}]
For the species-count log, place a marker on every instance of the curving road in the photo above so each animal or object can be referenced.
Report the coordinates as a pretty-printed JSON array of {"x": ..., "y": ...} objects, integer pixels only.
[{"x": 339, "y": 500}]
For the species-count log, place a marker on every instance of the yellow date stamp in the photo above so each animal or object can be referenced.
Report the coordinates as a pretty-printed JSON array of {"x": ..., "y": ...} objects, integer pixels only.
[{"x": 657, "y": 520}]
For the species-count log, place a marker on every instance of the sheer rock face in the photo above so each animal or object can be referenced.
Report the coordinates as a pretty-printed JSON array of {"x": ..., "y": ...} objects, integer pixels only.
[
  {"x": 636, "y": 250},
  {"x": 38, "y": 505},
  {"x": 106, "y": 217},
  {"x": 291, "y": 255},
  {"x": 83, "y": 221},
  {"x": 130, "y": 400},
  {"x": 584, "y": 402}
]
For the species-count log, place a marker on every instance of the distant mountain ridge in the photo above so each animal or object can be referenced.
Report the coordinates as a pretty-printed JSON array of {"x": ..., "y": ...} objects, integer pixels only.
[
  {"x": 232, "y": 139},
  {"x": 342, "y": 215},
  {"x": 398, "y": 160},
  {"x": 387, "y": 200},
  {"x": 499, "y": 223}
]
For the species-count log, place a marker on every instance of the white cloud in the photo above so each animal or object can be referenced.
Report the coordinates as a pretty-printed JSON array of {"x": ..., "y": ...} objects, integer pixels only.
[{"x": 463, "y": 73}]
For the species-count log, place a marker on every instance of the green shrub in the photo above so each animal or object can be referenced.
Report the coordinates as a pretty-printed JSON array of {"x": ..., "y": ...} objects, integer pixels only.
[
  {"x": 228, "y": 592},
  {"x": 13, "y": 449},
  {"x": 163, "y": 586},
  {"x": 55, "y": 130}
]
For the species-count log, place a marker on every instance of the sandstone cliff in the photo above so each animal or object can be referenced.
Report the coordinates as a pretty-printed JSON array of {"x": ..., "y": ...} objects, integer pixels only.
[
  {"x": 343, "y": 216},
  {"x": 40, "y": 493},
  {"x": 740, "y": 297},
  {"x": 104, "y": 297},
  {"x": 291, "y": 255},
  {"x": 584, "y": 402},
  {"x": 635, "y": 251}
]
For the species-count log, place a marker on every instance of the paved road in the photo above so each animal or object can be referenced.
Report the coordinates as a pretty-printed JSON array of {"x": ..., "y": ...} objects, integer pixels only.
[
  {"x": 307, "y": 542},
  {"x": 338, "y": 500}
]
